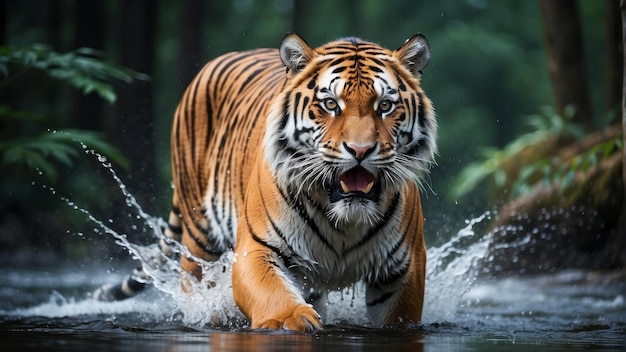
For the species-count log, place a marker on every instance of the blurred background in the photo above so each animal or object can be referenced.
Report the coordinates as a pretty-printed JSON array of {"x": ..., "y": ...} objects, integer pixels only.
[{"x": 527, "y": 93}]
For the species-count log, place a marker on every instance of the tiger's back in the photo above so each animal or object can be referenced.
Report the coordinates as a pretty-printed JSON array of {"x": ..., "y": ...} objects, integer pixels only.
[{"x": 216, "y": 134}]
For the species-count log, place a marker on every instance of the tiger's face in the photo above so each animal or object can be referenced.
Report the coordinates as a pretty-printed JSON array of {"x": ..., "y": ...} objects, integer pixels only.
[{"x": 352, "y": 126}]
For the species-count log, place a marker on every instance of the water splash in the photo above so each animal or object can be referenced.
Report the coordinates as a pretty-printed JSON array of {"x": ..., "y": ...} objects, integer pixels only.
[
  {"x": 450, "y": 274},
  {"x": 451, "y": 270},
  {"x": 61, "y": 305}
]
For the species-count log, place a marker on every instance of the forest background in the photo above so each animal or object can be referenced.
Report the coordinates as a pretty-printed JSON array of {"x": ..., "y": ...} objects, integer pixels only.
[{"x": 489, "y": 78}]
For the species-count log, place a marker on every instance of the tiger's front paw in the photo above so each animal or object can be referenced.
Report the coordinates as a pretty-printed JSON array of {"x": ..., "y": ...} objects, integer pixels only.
[{"x": 303, "y": 319}]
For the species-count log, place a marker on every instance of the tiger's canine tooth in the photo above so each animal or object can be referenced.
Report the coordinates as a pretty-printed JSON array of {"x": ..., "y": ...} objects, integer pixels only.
[{"x": 344, "y": 187}]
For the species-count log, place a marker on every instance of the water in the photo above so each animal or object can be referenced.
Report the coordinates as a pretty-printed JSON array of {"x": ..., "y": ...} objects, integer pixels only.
[{"x": 51, "y": 308}]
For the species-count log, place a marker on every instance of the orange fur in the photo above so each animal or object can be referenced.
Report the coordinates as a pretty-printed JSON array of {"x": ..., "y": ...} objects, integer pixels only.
[
  {"x": 412, "y": 297},
  {"x": 231, "y": 195}
]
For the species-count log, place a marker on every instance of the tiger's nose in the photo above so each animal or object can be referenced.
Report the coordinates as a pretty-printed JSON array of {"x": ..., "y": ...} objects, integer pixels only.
[{"x": 359, "y": 152}]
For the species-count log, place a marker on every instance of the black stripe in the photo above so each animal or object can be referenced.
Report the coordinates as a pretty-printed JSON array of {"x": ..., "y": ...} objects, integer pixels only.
[
  {"x": 202, "y": 245},
  {"x": 398, "y": 263},
  {"x": 296, "y": 101},
  {"x": 192, "y": 104},
  {"x": 304, "y": 215},
  {"x": 401, "y": 86},
  {"x": 228, "y": 63},
  {"x": 209, "y": 114},
  {"x": 175, "y": 229},
  {"x": 414, "y": 110},
  {"x": 380, "y": 300},
  {"x": 339, "y": 69},
  {"x": 400, "y": 270},
  {"x": 405, "y": 233},
  {"x": 260, "y": 241},
  {"x": 279, "y": 254},
  {"x": 305, "y": 102},
  {"x": 421, "y": 118},
  {"x": 339, "y": 60},
  {"x": 278, "y": 231},
  {"x": 376, "y": 61},
  {"x": 388, "y": 214},
  {"x": 417, "y": 147},
  {"x": 134, "y": 285},
  {"x": 285, "y": 119},
  {"x": 312, "y": 82},
  {"x": 250, "y": 77}
]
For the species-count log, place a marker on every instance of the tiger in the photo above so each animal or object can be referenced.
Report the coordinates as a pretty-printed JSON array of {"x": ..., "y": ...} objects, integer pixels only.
[{"x": 308, "y": 164}]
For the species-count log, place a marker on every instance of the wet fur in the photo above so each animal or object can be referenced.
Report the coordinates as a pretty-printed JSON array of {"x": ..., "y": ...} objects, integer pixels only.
[{"x": 251, "y": 174}]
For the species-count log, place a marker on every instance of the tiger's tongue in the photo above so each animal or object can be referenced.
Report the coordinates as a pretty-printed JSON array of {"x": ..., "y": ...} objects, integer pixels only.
[{"x": 357, "y": 180}]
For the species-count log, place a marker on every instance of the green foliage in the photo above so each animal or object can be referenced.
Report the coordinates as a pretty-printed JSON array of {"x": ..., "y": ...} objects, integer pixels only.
[
  {"x": 488, "y": 70},
  {"x": 39, "y": 152},
  {"x": 496, "y": 162},
  {"x": 562, "y": 172},
  {"x": 83, "y": 68}
]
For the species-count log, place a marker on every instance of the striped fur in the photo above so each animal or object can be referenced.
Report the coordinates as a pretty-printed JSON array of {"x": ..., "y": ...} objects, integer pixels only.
[{"x": 307, "y": 162}]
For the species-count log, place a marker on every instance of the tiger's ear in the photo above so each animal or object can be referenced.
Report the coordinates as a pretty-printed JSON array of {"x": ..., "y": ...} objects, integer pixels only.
[
  {"x": 414, "y": 54},
  {"x": 295, "y": 52}
]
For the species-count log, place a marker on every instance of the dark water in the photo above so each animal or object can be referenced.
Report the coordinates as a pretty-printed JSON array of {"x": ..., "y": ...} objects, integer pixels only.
[{"x": 50, "y": 309}]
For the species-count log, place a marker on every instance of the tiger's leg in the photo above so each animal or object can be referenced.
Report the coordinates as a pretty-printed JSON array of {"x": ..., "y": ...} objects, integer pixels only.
[
  {"x": 400, "y": 301},
  {"x": 191, "y": 269},
  {"x": 195, "y": 238},
  {"x": 263, "y": 288},
  {"x": 400, "y": 297},
  {"x": 266, "y": 294}
]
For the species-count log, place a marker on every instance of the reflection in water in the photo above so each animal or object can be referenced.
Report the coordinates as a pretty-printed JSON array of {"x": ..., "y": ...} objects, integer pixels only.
[
  {"x": 333, "y": 339},
  {"x": 260, "y": 342}
]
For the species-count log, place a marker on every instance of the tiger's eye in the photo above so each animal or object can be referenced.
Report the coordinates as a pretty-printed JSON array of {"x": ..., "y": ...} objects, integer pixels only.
[
  {"x": 330, "y": 104},
  {"x": 385, "y": 106}
]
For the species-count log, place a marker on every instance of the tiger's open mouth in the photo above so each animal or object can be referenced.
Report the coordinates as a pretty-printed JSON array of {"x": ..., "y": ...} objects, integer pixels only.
[{"x": 356, "y": 182}]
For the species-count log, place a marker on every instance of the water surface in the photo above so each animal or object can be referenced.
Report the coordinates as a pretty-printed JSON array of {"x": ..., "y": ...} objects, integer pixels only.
[{"x": 51, "y": 309}]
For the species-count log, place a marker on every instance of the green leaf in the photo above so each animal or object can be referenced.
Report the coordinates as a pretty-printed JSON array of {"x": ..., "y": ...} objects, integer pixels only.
[
  {"x": 83, "y": 68},
  {"x": 43, "y": 151}
]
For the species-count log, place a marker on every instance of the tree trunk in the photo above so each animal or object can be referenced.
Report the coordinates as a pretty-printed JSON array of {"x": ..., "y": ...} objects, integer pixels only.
[
  {"x": 191, "y": 59},
  {"x": 566, "y": 59},
  {"x": 614, "y": 53},
  {"x": 298, "y": 17},
  {"x": 623, "y": 6},
  {"x": 135, "y": 122},
  {"x": 86, "y": 110},
  {"x": 3, "y": 22}
]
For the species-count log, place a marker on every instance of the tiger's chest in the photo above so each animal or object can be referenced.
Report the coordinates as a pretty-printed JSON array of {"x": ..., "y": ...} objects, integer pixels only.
[{"x": 324, "y": 256}]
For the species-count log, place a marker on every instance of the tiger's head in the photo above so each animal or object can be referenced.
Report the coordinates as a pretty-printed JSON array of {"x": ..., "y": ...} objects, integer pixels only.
[{"x": 352, "y": 126}]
